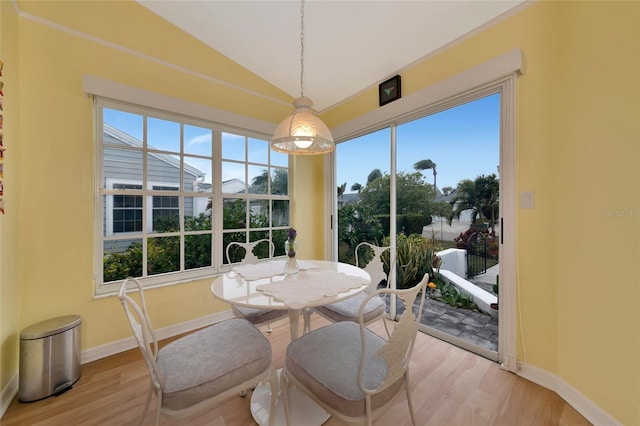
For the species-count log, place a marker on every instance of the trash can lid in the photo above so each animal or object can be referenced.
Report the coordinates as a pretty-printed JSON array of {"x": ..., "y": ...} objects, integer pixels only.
[{"x": 50, "y": 327}]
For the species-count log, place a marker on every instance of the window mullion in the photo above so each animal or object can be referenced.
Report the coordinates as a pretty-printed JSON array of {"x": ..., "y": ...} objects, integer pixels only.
[
  {"x": 216, "y": 201},
  {"x": 145, "y": 200},
  {"x": 181, "y": 201},
  {"x": 153, "y": 191}
]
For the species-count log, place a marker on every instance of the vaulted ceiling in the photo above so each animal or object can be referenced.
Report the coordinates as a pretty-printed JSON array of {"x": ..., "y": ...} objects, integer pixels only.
[{"x": 349, "y": 46}]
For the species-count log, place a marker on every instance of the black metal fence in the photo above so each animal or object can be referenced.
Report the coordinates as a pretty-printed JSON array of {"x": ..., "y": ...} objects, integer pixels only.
[{"x": 476, "y": 255}]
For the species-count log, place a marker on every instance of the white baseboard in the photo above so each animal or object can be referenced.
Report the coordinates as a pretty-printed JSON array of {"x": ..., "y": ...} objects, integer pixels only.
[
  {"x": 108, "y": 349},
  {"x": 92, "y": 354},
  {"x": 8, "y": 393},
  {"x": 582, "y": 404}
]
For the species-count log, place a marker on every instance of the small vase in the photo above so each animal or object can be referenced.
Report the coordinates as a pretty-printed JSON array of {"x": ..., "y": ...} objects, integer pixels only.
[{"x": 291, "y": 266}]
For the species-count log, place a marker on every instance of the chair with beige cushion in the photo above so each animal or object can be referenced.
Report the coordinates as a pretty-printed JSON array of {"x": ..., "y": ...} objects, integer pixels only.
[
  {"x": 206, "y": 366},
  {"x": 253, "y": 315},
  {"x": 347, "y": 310},
  {"x": 351, "y": 372}
]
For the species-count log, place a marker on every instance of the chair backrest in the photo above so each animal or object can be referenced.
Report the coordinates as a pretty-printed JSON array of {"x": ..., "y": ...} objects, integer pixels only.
[
  {"x": 375, "y": 267},
  {"x": 141, "y": 326},
  {"x": 400, "y": 336},
  {"x": 249, "y": 256}
]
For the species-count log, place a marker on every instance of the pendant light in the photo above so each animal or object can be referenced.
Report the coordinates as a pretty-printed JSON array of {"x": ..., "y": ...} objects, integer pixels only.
[{"x": 302, "y": 133}]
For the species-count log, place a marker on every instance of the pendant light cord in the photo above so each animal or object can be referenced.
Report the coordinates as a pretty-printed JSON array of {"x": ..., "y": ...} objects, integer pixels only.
[
  {"x": 301, "y": 47},
  {"x": 302, "y": 133}
]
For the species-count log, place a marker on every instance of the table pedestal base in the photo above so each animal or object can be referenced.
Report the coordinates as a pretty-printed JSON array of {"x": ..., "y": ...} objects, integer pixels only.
[{"x": 304, "y": 411}]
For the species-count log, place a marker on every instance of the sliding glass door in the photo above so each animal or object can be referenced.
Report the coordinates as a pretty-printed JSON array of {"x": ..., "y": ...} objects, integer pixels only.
[
  {"x": 430, "y": 187},
  {"x": 363, "y": 199}
]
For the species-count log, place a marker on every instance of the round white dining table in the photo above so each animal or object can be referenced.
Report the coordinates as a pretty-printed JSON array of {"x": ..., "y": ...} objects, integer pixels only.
[{"x": 265, "y": 286}]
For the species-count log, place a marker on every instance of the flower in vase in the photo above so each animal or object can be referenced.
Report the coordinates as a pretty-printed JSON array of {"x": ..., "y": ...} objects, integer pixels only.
[
  {"x": 291, "y": 266},
  {"x": 290, "y": 243}
]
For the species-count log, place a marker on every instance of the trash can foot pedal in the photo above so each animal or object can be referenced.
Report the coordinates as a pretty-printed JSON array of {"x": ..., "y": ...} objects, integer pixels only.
[{"x": 61, "y": 391}]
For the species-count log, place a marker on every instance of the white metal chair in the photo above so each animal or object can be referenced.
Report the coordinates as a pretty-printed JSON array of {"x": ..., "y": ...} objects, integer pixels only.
[
  {"x": 347, "y": 310},
  {"x": 249, "y": 256},
  {"x": 206, "y": 366},
  {"x": 351, "y": 372},
  {"x": 253, "y": 315}
]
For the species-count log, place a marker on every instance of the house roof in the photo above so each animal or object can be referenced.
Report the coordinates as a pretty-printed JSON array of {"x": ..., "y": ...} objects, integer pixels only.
[
  {"x": 233, "y": 186},
  {"x": 134, "y": 142}
]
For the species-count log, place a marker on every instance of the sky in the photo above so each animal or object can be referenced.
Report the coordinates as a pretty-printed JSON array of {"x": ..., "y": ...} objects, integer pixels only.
[
  {"x": 165, "y": 135},
  {"x": 463, "y": 141}
]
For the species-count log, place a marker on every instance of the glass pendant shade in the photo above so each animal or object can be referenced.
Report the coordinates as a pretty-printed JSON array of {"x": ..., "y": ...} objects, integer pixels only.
[{"x": 302, "y": 133}]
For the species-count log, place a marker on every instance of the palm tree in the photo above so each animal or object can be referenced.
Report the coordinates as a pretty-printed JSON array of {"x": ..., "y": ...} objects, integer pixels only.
[
  {"x": 260, "y": 183},
  {"x": 480, "y": 196},
  {"x": 356, "y": 187},
  {"x": 341, "y": 189},
  {"x": 426, "y": 165},
  {"x": 279, "y": 185},
  {"x": 279, "y": 182}
]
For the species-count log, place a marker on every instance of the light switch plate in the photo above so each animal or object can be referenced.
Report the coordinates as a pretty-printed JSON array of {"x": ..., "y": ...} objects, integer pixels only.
[{"x": 526, "y": 200}]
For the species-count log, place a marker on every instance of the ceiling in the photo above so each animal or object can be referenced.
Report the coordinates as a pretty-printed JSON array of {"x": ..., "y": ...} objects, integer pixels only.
[{"x": 349, "y": 46}]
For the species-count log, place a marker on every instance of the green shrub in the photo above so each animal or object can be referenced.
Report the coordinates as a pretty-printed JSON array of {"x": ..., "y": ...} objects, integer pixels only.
[
  {"x": 385, "y": 222},
  {"x": 356, "y": 224},
  {"x": 120, "y": 265},
  {"x": 412, "y": 223},
  {"x": 450, "y": 295},
  {"x": 407, "y": 223},
  {"x": 415, "y": 256},
  {"x": 163, "y": 253}
]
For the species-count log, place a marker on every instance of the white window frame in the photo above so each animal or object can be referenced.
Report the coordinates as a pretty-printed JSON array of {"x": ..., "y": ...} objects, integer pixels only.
[
  {"x": 499, "y": 73},
  {"x": 109, "y": 203},
  {"x": 98, "y": 86},
  {"x": 150, "y": 198}
]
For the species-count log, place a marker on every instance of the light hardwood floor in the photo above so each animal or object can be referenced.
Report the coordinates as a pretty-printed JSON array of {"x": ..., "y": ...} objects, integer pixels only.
[{"x": 450, "y": 387}]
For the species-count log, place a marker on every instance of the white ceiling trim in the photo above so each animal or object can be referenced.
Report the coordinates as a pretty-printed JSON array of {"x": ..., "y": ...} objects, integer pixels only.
[
  {"x": 224, "y": 119},
  {"x": 149, "y": 58}
]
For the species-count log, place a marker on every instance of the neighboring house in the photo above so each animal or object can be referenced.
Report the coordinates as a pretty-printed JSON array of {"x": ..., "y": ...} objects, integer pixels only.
[
  {"x": 233, "y": 186},
  {"x": 348, "y": 199},
  {"x": 123, "y": 213},
  {"x": 446, "y": 198}
]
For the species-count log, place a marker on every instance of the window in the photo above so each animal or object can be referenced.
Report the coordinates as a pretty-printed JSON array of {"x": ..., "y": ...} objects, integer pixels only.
[
  {"x": 498, "y": 75},
  {"x": 127, "y": 211},
  {"x": 174, "y": 191},
  {"x": 167, "y": 207}
]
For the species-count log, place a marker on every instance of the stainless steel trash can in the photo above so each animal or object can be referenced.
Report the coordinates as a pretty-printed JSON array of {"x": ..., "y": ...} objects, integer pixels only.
[{"x": 49, "y": 357}]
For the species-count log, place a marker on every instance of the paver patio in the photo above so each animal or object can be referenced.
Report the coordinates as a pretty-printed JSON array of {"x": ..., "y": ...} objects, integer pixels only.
[{"x": 478, "y": 328}]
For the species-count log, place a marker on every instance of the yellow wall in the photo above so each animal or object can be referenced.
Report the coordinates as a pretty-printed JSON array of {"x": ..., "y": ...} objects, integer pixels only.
[
  {"x": 9, "y": 254},
  {"x": 597, "y": 226},
  {"x": 55, "y": 231},
  {"x": 578, "y": 135},
  {"x": 578, "y": 138},
  {"x": 309, "y": 214}
]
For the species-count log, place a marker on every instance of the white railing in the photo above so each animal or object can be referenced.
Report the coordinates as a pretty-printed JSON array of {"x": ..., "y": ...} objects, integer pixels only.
[{"x": 453, "y": 270}]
